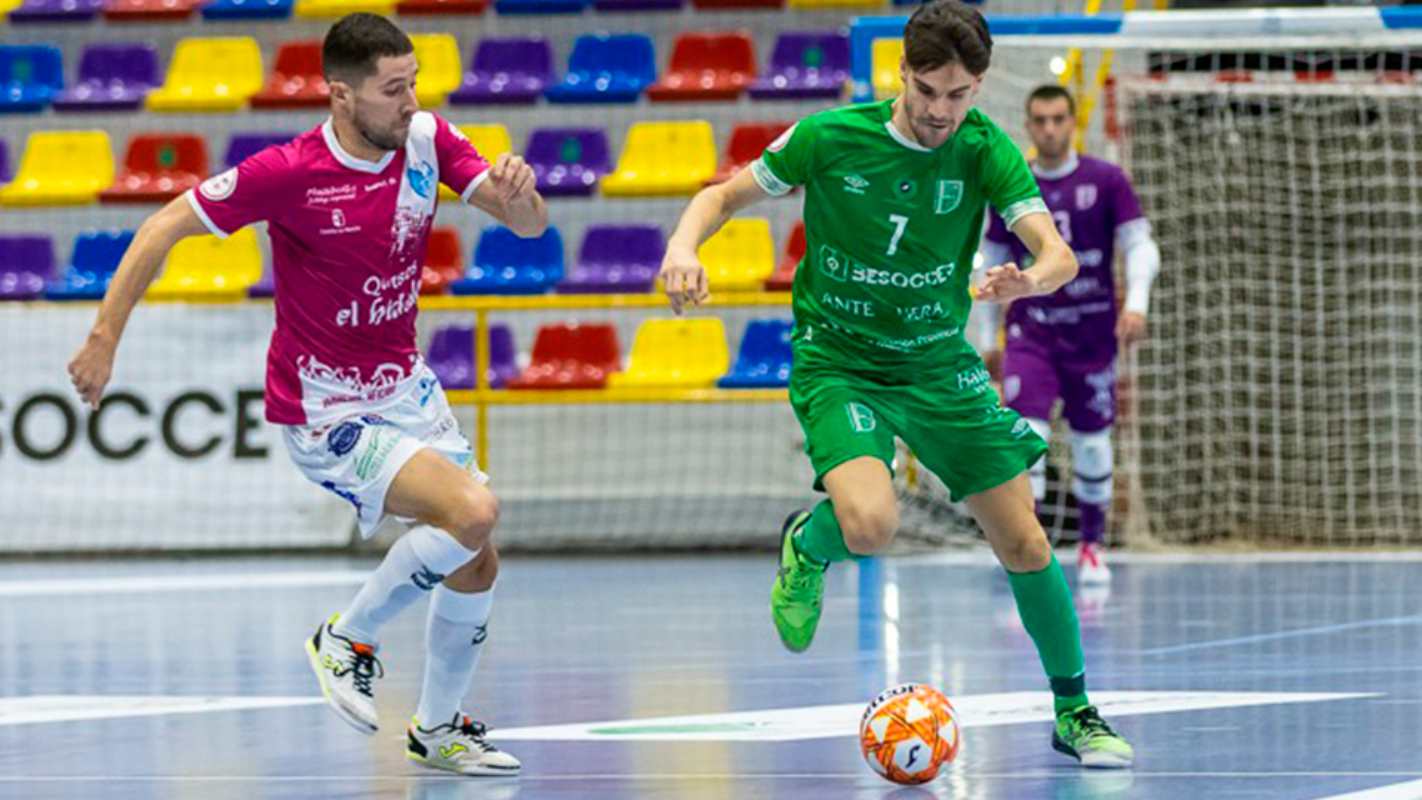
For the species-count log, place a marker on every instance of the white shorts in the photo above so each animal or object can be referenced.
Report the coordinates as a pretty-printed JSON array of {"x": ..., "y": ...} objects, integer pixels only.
[{"x": 358, "y": 456}]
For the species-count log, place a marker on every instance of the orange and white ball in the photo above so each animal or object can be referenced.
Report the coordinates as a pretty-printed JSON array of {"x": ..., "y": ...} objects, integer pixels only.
[{"x": 908, "y": 733}]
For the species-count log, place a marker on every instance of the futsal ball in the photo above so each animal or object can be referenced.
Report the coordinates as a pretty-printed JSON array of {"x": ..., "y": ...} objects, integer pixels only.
[{"x": 908, "y": 733}]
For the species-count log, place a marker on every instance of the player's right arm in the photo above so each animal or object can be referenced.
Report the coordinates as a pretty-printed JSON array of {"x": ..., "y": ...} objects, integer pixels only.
[
  {"x": 93, "y": 364},
  {"x": 682, "y": 273}
]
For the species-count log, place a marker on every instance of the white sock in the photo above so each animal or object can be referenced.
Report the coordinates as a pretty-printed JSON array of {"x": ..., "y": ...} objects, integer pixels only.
[
  {"x": 417, "y": 562},
  {"x": 454, "y": 636}
]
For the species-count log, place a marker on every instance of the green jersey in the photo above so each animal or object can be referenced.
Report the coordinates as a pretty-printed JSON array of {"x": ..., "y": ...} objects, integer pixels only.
[{"x": 891, "y": 228}]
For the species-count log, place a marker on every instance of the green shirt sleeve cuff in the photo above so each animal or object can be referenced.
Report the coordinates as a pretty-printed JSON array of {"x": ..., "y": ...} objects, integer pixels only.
[{"x": 768, "y": 181}]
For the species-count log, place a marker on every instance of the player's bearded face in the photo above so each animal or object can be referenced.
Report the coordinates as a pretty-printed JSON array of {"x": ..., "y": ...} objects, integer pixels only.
[
  {"x": 937, "y": 100},
  {"x": 1051, "y": 126},
  {"x": 385, "y": 103}
]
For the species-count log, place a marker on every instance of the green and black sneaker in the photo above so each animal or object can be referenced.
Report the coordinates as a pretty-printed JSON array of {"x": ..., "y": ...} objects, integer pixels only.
[
  {"x": 1082, "y": 734},
  {"x": 799, "y": 588}
]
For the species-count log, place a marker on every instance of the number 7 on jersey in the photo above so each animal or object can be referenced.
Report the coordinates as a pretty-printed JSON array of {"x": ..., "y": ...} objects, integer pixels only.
[{"x": 900, "y": 224}]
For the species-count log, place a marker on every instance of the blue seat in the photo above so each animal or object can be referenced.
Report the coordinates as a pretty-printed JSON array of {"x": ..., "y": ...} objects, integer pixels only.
[
  {"x": 30, "y": 76},
  {"x": 607, "y": 69},
  {"x": 506, "y": 264},
  {"x": 764, "y": 358},
  {"x": 540, "y": 6},
  {"x": 91, "y": 267},
  {"x": 247, "y": 9}
]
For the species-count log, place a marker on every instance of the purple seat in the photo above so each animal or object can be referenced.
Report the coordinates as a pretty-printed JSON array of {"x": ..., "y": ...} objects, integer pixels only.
[
  {"x": 616, "y": 259},
  {"x": 506, "y": 71},
  {"x": 57, "y": 11},
  {"x": 245, "y": 145},
  {"x": 637, "y": 5},
  {"x": 805, "y": 64},
  {"x": 26, "y": 265},
  {"x": 266, "y": 287},
  {"x": 112, "y": 77},
  {"x": 568, "y": 161},
  {"x": 451, "y": 356},
  {"x": 4, "y": 163}
]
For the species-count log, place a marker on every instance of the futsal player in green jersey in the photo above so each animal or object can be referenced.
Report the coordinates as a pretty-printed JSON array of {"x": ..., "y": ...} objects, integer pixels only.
[{"x": 895, "y": 193}]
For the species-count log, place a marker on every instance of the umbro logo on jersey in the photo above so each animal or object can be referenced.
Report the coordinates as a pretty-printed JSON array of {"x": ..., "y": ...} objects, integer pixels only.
[{"x": 855, "y": 184}]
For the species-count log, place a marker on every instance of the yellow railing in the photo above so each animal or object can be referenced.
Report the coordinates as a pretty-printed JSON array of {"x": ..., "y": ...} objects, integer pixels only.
[
  {"x": 482, "y": 397},
  {"x": 1071, "y": 76}
]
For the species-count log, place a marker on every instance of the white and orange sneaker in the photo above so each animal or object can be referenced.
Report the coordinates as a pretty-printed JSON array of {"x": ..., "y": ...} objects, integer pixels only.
[
  {"x": 460, "y": 745},
  {"x": 346, "y": 670}
]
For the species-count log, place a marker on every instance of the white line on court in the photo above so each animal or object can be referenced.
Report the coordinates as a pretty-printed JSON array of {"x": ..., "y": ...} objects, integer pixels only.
[
  {"x": 148, "y": 584},
  {"x": 696, "y": 776},
  {"x": 1397, "y": 791}
]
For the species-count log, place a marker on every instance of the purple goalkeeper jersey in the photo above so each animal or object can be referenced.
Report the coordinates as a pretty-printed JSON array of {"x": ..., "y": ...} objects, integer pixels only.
[{"x": 1089, "y": 200}]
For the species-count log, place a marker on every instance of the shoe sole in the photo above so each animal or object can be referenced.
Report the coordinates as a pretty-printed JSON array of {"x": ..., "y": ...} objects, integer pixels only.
[
  {"x": 476, "y": 772},
  {"x": 788, "y": 529},
  {"x": 1094, "y": 760},
  {"x": 341, "y": 711}
]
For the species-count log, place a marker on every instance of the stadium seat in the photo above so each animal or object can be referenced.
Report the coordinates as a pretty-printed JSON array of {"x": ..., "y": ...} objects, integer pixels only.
[
  {"x": 784, "y": 276},
  {"x": 663, "y": 158},
  {"x": 440, "y": 73},
  {"x": 832, "y": 5},
  {"x": 218, "y": 10},
  {"x": 91, "y": 266},
  {"x": 616, "y": 259},
  {"x": 319, "y": 9},
  {"x": 30, "y": 77},
  {"x": 506, "y": 264},
  {"x": 430, "y": 7},
  {"x": 150, "y": 10},
  {"x": 706, "y": 66},
  {"x": 451, "y": 356},
  {"x": 264, "y": 287},
  {"x": 886, "y": 55},
  {"x": 740, "y": 256},
  {"x": 676, "y": 353},
  {"x": 112, "y": 77},
  {"x": 637, "y": 5},
  {"x": 571, "y": 356},
  {"x": 748, "y": 141},
  {"x": 296, "y": 80},
  {"x": 491, "y": 141},
  {"x": 245, "y": 145},
  {"x": 805, "y": 65},
  {"x": 506, "y": 71},
  {"x": 26, "y": 265},
  {"x": 704, "y": 5},
  {"x": 216, "y": 74},
  {"x": 209, "y": 268},
  {"x": 764, "y": 358},
  {"x": 607, "y": 69},
  {"x": 4, "y": 163},
  {"x": 6, "y": 6},
  {"x": 158, "y": 167},
  {"x": 540, "y": 6},
  {"x": 61, "y": 168},
  {"x": 444, "y": 261},
  {"x": 568, "y": 161},
  {"x": 56, "y": 11}
]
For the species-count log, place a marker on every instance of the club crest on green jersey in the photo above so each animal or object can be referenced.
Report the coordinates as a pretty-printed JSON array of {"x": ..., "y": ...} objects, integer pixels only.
[{"x": 950, "y": 194}]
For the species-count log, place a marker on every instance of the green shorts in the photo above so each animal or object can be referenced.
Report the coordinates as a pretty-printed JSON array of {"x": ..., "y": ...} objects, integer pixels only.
[{"x": 951, "y": 419}]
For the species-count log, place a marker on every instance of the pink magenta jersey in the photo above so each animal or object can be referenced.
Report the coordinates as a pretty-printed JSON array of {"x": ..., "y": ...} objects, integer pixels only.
[{"x": 348, "y": 244}]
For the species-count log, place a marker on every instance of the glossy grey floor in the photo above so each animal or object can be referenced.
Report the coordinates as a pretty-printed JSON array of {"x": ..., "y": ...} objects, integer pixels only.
[{"x": 1263, "y": 677}]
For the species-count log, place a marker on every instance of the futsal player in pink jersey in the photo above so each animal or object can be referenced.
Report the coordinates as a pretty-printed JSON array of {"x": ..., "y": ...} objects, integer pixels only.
[{"x": 349, "y": 206}]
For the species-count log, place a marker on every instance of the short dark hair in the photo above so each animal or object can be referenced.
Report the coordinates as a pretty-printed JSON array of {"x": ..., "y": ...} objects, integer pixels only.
[
  {"x": 947, "y": 32},
  {"x": 356, "y": 42},
  {"x": 1051, "y": 91}
]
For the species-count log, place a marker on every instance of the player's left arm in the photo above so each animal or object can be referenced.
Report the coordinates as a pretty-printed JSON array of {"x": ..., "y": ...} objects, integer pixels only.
[
  {"x": 1054, "y": 265},
  {"x": 1142, "y": 256}
]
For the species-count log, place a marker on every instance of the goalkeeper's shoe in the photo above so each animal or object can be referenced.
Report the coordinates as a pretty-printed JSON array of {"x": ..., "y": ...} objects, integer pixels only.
[
  {"x": 795, "y": 598},
  {"x": 346, "y": 670},
  {"x": 1082, "y": 734},
  {"x": 458, "y": 746}
]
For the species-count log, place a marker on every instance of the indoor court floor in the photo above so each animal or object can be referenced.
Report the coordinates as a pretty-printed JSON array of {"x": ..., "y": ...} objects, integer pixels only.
[{"x": 1287, "y": 676}]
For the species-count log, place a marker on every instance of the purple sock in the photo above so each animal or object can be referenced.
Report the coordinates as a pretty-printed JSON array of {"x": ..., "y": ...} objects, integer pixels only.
[{"x": 1093, "y": 522}]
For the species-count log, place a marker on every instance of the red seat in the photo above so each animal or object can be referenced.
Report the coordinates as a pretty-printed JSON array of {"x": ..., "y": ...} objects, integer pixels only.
[
  {"x": 571, "y": 356},
  {"x": 784, "y": 276},
  {"x": 441, "y": 6},
  {"x": 748, "y": 141},
  {"x": 296, "y": 80},
  {"x": 158, "y": 167},
  {"x": 707, "y": 66},
  {"x": 141, "y": 10},
  {"x": 702, "y": 4},
  {"x": 444, "y": 261}
]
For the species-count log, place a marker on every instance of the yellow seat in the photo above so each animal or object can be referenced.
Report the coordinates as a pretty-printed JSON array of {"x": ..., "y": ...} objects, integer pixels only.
[
  {"x": 340, "y": 8},
  {"x": 6, "y": 6},
  {"x": 676, "y": 353},
  {"x": 209, "y": 268},
  {"x": 491, "y": 141},
  {"x": 61, "y": 168},
  {"x": 440, "y": 72},
  {"x": 888, "y": 79},
  {"x": 740, "y": 257},
  {"x": 216, "y": 74},
  {"x": 663, "y": 158}
]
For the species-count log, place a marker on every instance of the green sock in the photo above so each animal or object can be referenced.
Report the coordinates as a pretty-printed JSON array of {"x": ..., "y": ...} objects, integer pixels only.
[
  {"x": 820, "y": 539},
  {"x": 1044, "y": 604}
]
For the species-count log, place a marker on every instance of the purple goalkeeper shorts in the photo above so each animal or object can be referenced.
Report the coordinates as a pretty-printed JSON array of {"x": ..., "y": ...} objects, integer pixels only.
[{"x": 1035, "y": 374}]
